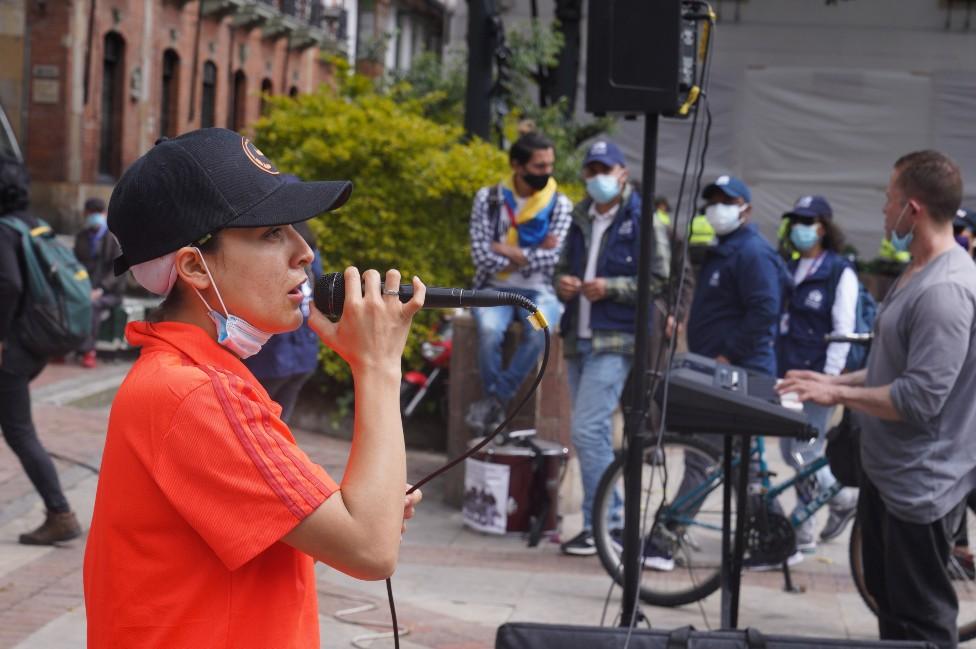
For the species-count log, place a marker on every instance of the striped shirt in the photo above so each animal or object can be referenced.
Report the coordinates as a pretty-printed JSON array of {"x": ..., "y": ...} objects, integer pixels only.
[
  {"x": 486, "y": 228},
  {"x": 200, "y": 480}
]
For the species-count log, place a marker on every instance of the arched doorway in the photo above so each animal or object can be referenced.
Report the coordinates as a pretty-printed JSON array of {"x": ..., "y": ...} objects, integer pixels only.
[{"x": 113, "y": 92}]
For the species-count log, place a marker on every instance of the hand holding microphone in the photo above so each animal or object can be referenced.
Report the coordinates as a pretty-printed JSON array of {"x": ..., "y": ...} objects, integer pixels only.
[{"x": 374, "y": 330}]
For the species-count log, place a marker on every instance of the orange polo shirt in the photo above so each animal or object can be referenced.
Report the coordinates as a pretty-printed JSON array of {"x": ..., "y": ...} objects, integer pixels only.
[{"x": 199, "y": 481}]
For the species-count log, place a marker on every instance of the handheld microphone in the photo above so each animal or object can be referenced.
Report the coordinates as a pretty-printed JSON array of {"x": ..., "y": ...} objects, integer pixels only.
[{"x": 330, "y": 294}]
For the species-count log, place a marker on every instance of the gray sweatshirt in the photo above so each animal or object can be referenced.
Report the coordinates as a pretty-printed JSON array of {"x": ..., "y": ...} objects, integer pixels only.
[{"x": 925, "y": 465}]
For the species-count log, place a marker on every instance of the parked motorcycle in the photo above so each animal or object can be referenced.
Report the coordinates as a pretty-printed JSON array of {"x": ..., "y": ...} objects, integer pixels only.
[{"x": 416, "y": 386}]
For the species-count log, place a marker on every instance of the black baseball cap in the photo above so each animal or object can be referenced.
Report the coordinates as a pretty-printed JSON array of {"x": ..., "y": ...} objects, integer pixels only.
[{"x": 203, "y": 181}]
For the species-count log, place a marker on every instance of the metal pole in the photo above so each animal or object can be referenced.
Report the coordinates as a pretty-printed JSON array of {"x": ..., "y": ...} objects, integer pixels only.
[{"x": 635, "y": 429}]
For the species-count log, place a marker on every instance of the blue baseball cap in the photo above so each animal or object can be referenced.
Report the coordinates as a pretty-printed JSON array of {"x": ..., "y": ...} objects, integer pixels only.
[
  {"x": 965, "y": 218},
  {"x": 811, "y": 206},
  {"x": 730, "y": 186},
  {"x": 605, "y": 152}
]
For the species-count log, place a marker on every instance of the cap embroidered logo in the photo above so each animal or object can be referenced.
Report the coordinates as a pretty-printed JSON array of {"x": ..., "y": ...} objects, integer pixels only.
[
  {"x": 722, "y": 180},
  {"x": 806, "y": 201},
  {"x": 254, "y": 155},
  {"x": 599, "y": 148}
]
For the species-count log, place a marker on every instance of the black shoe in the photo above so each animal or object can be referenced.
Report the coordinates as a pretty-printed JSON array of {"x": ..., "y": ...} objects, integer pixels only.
[
  {"x": 656, "y": 555},
  {"x": 581, "y": 545}
]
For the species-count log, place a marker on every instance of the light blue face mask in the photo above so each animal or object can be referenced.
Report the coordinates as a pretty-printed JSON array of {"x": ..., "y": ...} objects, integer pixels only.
[
  {"x": 804, "y": 237},
  {"x": 236, "y": 334},
  {"x": 603, "y": 188},
  {"x": 95, "y": 221},
  {"x": 901, "y": 242}
]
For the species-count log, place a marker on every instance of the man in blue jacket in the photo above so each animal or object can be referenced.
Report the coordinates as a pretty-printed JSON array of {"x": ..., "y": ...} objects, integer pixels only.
[
  {"x": 596, "y": 278},
  {"x": 738, "y": 298},
  {"x": 736, "y": 307}
]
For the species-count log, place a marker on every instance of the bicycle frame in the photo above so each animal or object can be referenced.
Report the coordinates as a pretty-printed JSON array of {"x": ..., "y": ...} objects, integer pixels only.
[{"x": 769, "y": 491}]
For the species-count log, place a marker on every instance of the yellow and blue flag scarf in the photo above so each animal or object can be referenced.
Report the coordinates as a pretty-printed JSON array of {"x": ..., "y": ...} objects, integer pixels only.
[{"x": 529, "y": 226}]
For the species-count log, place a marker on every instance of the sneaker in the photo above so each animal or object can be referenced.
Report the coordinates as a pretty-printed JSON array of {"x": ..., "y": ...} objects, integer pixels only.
[
  {"x": 656, "y": 556},
  {"x": 88, "y": 360},
  {"x": 55, "y": 529},
  {"x": 581, "y": 545},
  {"x": 837, "y": 522},
  {"x": 806, "y": 542},
  {"x": 485, "y": 414},
  {"x": 765, "y": 566}
]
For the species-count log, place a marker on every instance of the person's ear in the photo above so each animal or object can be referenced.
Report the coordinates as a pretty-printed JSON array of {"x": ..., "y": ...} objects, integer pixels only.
[{"x": 190, "y": 269}]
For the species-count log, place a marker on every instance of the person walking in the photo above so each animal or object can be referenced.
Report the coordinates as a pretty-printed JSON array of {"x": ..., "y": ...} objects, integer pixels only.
[
  {"x": 823, "y": 301},
  {"x": 18, "y": 367}
]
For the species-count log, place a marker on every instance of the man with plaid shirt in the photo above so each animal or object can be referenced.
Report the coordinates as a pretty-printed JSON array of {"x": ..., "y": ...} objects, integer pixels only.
[{"x": 517, "y": 232}]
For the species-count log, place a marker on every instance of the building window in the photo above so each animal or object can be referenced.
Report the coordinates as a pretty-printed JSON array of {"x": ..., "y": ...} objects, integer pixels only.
[
  {"x": 238, "y": 107},
  {"x": 169, "y": 97},
  {"x": 113, "y": 91},
  {"x": 293, "y": 91},
  {"x": 266, "y": 91},
  {"x": 209, "y": 96}
]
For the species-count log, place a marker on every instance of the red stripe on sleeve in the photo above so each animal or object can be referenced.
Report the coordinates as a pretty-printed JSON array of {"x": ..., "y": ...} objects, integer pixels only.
[{"x": 223, "y": 396}]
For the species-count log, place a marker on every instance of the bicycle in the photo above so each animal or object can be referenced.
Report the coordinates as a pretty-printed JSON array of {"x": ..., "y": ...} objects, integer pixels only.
[{"x": 687, "y": 523}]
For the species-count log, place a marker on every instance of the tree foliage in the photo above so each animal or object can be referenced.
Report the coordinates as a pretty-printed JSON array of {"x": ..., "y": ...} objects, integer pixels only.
[{"x": 414, "y": 179}]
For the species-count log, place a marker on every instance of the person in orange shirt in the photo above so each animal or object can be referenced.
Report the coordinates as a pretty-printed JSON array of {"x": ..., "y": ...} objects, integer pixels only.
[{"x": 208, "y": 517}]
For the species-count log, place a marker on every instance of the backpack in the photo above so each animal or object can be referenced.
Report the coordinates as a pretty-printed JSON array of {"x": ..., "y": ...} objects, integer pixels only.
[
  {"x": 865, "y": 313},
  {"x": 56, "y": 316}
]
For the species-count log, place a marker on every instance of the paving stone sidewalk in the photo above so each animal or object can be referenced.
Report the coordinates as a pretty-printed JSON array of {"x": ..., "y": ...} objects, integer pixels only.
[{"x": 453, "y": 587}]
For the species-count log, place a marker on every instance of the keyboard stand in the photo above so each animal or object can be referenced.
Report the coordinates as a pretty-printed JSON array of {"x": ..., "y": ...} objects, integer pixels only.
[{"x": 732, "y": 553}]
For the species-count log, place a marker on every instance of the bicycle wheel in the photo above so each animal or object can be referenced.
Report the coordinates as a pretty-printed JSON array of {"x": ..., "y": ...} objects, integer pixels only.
[
  {"x": 960, "y": 569},
  {"x": 689, "y": 527}
]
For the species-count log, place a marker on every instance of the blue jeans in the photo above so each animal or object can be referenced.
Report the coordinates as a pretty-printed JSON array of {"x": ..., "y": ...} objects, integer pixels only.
[
  {"x": 492, "y": 323},
  {"x": 595, "y": 383}
]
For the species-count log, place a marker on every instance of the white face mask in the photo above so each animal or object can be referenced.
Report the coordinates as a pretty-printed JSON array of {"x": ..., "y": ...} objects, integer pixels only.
[
  {"x": 724, "y": 218},
  {"x": 236, "y": 334}
]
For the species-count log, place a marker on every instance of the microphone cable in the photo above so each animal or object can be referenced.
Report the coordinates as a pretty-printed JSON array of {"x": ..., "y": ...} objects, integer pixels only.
[{"x": 538, "y": 322}]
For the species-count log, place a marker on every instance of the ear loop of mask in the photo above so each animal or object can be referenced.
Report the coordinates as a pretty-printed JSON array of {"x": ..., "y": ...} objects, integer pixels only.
[{"x": 212, "y": 283}]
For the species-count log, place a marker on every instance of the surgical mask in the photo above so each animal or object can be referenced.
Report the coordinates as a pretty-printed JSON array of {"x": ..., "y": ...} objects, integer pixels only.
[
  {"x": 603, "y": 188},
  {"x": 236, "y": 334},
  {"x": 95, "y": 221},
  {"x": 724, "y": 218},
  {"x": 536, "y": 181},
  {"x": 899, "y": 242},
  {"x": 804, "y": 237}
]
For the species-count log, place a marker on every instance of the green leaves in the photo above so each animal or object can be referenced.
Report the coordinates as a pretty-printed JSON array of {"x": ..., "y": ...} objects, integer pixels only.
[{"x": 414, "y": 180}]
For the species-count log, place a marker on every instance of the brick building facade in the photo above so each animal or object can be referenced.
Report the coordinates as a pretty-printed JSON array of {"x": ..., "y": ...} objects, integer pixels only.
[{"x": 108, "y": 77}]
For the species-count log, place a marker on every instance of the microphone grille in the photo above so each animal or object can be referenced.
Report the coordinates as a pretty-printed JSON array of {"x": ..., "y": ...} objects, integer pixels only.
[{"x": 330, "y": 294}]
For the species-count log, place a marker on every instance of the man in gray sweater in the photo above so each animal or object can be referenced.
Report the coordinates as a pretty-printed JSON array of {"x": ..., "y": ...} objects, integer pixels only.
[{"x": 915, "y": 406}]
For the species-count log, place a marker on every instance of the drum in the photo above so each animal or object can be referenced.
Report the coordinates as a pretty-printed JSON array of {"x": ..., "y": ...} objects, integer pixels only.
[{"x": 508, "y": 486}]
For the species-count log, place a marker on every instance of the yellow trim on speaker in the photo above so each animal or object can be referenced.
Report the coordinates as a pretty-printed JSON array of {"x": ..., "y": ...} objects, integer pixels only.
[{"x": 692, "y": 98}]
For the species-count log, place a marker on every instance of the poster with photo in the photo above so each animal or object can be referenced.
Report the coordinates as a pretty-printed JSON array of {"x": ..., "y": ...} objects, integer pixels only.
[{"x": 485, "y": 496}]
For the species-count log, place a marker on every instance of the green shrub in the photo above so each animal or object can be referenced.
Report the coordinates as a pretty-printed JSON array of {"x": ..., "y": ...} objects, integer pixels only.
[{"x": 414, "y": 181}]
